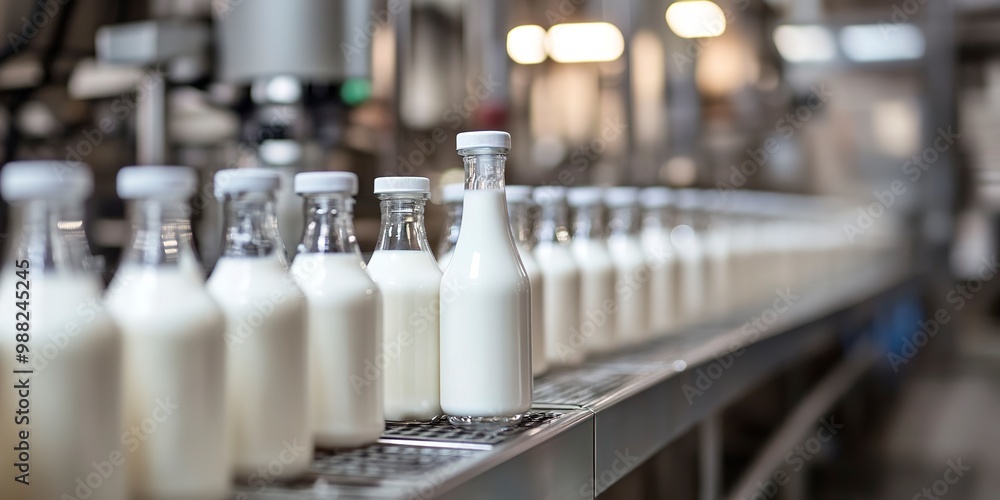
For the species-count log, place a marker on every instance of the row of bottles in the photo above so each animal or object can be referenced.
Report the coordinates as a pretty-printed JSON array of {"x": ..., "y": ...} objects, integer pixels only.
[
  {"x": 613, "y": 267},
  {"x": 169, "y": 385}
]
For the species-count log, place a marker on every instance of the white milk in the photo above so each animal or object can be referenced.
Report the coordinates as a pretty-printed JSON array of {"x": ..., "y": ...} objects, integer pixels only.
[
  {"x": 662, "y": 261},
  {"x": 410, "y": 282},
  {"x": 597, "y": 294},
  {"x": 75, "y": 397},
  {"x": 563, "y": 341},
  {"x": 175, "y": 350},
  {"x": 345, "y": 341},
  {"x": 486, "y": 326},
  {"x": 717, "y": 264},
  {"x": 691, "y": 285},
  {"x": 631, "y": 288},
  {"x": 445, "y": 259},
  {"x": 267, "y": 365},
  {"x": 539, "y": 363}
]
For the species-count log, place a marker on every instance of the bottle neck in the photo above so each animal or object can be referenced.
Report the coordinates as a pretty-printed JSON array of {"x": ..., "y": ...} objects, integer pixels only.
[
  {"x": 484, "y": 168},
  {"x": 329, "y": 225},
  {"x": 402, "y": 223},
  {"x": 588, "y": 223},
  {"x": 161, "y": 232},
  {"x": 553, "y": 224},
  {"x": 50, "y": 236},
  {"x": 623, "y": 221},
  {"x": 519, "y": 214},
  {"x": 251, "y": 226},
  {"x": 658, "y": 218},
  {"x": 452, "y": 224}
]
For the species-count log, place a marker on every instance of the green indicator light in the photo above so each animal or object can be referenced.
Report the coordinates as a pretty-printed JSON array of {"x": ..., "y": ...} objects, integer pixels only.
[{"x": 355, "y": 91}]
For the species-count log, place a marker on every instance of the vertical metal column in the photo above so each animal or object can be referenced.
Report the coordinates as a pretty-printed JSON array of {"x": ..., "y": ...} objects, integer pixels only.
[
  {"x": 151, "y": 120},
  {"x": 709, "y": 458}
]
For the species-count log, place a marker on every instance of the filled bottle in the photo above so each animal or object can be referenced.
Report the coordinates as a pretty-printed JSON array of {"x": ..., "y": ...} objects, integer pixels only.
[
  {"x": 62, "y": 350},
  {"x": 660, "y": 257},
  {"x": 632, "y": 276},
  {"x": 563, "y": 341},
  {"x": 451, "y": 196},
  {"x": 717, "y": 249},
  {"x": 410, "y": 281},
  {"x": 344, "y": 318},
  {"x": 687, "y": 240},
  {"x": 597, "y": 271},
  {"x": 174, "y": 343},
  {"x": 518, "y": 210},
  {"x": 266, "y": 338},
  {"x": 486, "y": 299}
]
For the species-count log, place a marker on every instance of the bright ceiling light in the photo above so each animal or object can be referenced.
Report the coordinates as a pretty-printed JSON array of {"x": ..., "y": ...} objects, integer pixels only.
[
  {"x": 696, "y": 19},
  {"x": 804, "y": 43},
  {"x": 526, "y": 44},
  {"x": 584, "y": 42},
  {"x": 875, "y": 42}
]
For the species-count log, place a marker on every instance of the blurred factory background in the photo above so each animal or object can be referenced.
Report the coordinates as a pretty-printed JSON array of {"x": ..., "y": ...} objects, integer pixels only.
[{"x": 892, "y": 104}]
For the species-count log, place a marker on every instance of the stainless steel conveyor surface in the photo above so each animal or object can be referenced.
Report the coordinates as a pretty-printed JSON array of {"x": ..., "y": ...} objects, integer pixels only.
[{"x": 586, "y": 419}]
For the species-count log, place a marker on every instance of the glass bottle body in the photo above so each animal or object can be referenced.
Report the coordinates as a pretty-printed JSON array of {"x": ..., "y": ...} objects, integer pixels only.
[
  {"x": 74, "y": 348},
  {"x": 409, "y": 280},
  {"x": 486, "y": 306},
  {"x": 597, "y": 278},
  {"x": 564, "y": 339},
  {"x": 632, "y": 318},
  {"x": 662, "y": 261},
  {"x": 267, "y": 370},
  {"x": 520, "y": 225},
  {"x": 344, "y": 325}
]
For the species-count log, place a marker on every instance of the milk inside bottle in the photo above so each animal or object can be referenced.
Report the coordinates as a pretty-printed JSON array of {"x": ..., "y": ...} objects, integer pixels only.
[
  {"x": 485, "y": 299},
  {"x": 687, "y": 240},
  {"x": 410, "y": 280},
  {"x": 518, "y": 210},
  {"x": 174, "y": 344},
  {"x": 631, "y": 273},
  {"x": 717, "y": 245},
  {"x": 266, "y": 341},
  {"x": 660, "y": 257},
  {"x": 563, "y": 341},
  {"x": 62, "y": 351},
  {"x": 344, "y": 318},
  {"x": 597, "y": 271},
  {"x": 451, "y": 196}
]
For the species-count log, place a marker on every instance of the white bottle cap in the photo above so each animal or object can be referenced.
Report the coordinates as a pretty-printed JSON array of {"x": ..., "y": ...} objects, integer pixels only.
[
  {"x": 621, "y": 196},
  {"x": 46, "y": 179},
  {"x": 545, "y": 195},
  {"x": 453, "y": 193},
  {"x": 656, "y": 197},
  {"x": 518, "y": 194},
  {"x": 157, "y": 181},
  {"x": 584, "y": 196},
  {"x": 482, "y": 139},
  {"x": 244, "y": 180},
  {"x": 326, "y": 182},
  {"x": 402, "y": 185}
]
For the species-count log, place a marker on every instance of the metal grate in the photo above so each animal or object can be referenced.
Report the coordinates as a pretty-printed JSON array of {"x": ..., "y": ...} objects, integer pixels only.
[
  {"x": 579, "y": 388},
  {"x": 380, "y": 461},
  {"x": 442, "y": 431}
]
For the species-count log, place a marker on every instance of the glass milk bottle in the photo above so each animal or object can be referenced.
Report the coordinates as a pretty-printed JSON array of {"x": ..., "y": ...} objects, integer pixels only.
[
  {"x": 660, "y": 257},
  {"x": 344, "y": 319},
  {"x": 718, "y": 252},
  {"x": 410, "y": 281},
  {"x": 485, "y": 299},
  {"x": 563, "y": 341},
  {"x": 451, "y": 196},
  {"x": 174, "y": 338},
  {"x": 597, "y": 271},
  {"x": 688, "y": 242},
  {"x": 518, "y": 208},
  {"x": 266, "y": 334},
  {"x": 70, "y": 372},
  {"x": 631, "y": 273}
]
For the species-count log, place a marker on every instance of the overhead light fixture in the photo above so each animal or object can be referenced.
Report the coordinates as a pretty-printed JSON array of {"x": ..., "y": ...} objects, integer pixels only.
[
  {"x": 584, "y": 42},
  {"x": 877, "y": 42},
  {"x": 805, "y": 43},
  {"x": 696, "y": 19},
  {"x": 526, "y": 44}
]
